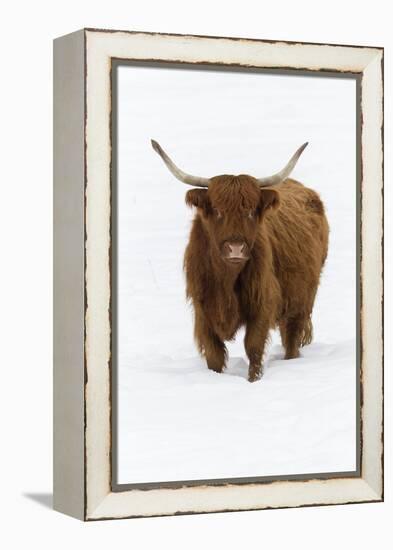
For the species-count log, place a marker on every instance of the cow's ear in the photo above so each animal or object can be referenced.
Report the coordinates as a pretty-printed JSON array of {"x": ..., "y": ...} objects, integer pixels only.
[
  {"x": 198, "y": 198},
  {"x": 269, "y": 199}
]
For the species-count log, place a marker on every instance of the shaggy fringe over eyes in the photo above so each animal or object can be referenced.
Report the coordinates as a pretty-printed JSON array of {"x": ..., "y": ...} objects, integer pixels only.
[
  {"x": 239, "y": 194},
  {"x": 235, "y": 193}
]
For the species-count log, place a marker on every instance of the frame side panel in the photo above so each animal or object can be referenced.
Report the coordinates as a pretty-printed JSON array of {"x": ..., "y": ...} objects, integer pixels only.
[
  {"x": 68, "y": 242},
  {"x": 372, "y": 274}
]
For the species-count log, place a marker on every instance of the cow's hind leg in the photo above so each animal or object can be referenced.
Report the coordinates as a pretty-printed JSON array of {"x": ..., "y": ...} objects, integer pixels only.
[{"x": 295, "y": 332}]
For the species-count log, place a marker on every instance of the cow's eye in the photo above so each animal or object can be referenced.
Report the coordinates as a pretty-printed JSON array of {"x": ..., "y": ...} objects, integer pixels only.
[{"x": 217, "y": 213}]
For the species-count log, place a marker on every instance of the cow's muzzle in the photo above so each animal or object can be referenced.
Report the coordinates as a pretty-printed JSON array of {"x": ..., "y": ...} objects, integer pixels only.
[{"x": 235, "y": 252}]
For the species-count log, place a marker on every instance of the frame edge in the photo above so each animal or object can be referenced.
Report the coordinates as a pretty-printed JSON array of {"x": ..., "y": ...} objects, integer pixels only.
[{"x": 68, "y": 271}]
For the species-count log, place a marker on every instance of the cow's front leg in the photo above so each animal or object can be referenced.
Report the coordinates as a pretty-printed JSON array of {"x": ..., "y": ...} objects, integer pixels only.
[
  {"x": 254, "y": 342},
  {"x": 215, "y": 353},
  {"x": 209, "y": 344}
]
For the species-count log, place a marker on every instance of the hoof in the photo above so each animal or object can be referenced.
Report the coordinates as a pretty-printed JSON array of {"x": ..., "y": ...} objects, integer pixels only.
[
  {"x": 218, "y": 370},
  {"x": 292, "y": 355},
  {"x": 255, "y": 374}
]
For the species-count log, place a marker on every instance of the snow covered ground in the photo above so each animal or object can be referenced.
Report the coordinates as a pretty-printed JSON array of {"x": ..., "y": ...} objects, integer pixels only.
[{"x": 176, "y": 419}]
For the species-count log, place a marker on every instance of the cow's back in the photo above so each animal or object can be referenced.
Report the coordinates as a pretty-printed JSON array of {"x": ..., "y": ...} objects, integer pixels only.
[{"x": 298, "y": 232}]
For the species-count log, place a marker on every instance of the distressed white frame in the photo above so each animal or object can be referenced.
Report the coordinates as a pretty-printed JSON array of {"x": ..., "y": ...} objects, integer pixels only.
[{"x": 84, "y": 489}]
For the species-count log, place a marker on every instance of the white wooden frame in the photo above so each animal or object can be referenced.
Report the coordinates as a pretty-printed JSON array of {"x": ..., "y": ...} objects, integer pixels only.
[{"x": 82, "y": 334}]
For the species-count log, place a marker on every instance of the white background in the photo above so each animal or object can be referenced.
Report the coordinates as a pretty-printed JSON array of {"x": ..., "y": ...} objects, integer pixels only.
[
  {"x": 26, "y": 275},
  {"x": 176, "y": 419}
]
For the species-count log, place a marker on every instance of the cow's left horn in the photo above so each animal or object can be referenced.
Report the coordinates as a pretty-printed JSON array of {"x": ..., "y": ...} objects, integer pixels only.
[
  {"x": 179, "y": 174},
  {"x": 285, "y": 172}
]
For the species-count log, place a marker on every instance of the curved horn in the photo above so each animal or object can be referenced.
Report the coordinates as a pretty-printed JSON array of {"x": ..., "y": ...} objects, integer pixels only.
[
  {"x": 284, "y": 173},
  {"x": 179, "y": 174}
]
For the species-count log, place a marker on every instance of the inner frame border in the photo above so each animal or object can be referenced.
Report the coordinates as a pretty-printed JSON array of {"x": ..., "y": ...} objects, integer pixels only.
[{"x": 115, "y": 63}]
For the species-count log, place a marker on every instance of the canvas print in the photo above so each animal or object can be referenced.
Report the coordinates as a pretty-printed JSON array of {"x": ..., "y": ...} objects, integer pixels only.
[{"x": 234, "y": 275}]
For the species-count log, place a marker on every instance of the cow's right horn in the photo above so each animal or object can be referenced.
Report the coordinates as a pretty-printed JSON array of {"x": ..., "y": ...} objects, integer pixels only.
[{"x": 179, "y": 174}]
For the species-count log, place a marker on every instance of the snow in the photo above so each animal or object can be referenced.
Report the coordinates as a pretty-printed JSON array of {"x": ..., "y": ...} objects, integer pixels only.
[{"x": 176, "y": 419}]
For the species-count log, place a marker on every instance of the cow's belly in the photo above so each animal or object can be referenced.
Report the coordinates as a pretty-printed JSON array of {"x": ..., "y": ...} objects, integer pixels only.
[{"x": 227, "y": 331}]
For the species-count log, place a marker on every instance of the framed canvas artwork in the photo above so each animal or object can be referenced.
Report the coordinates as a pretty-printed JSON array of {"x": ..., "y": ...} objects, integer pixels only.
[{"x": 218, "y": 274}]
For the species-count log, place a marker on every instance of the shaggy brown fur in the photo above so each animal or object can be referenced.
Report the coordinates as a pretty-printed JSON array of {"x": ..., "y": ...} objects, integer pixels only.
[{"x": 283, "y": 235}]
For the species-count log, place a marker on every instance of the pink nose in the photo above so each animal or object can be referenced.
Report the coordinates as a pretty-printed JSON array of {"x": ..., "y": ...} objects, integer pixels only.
[{"x": 236, "y": 250}]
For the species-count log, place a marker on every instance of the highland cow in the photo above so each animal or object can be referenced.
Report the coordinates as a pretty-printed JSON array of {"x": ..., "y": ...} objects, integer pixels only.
[{"x": 254, "y": 259}]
